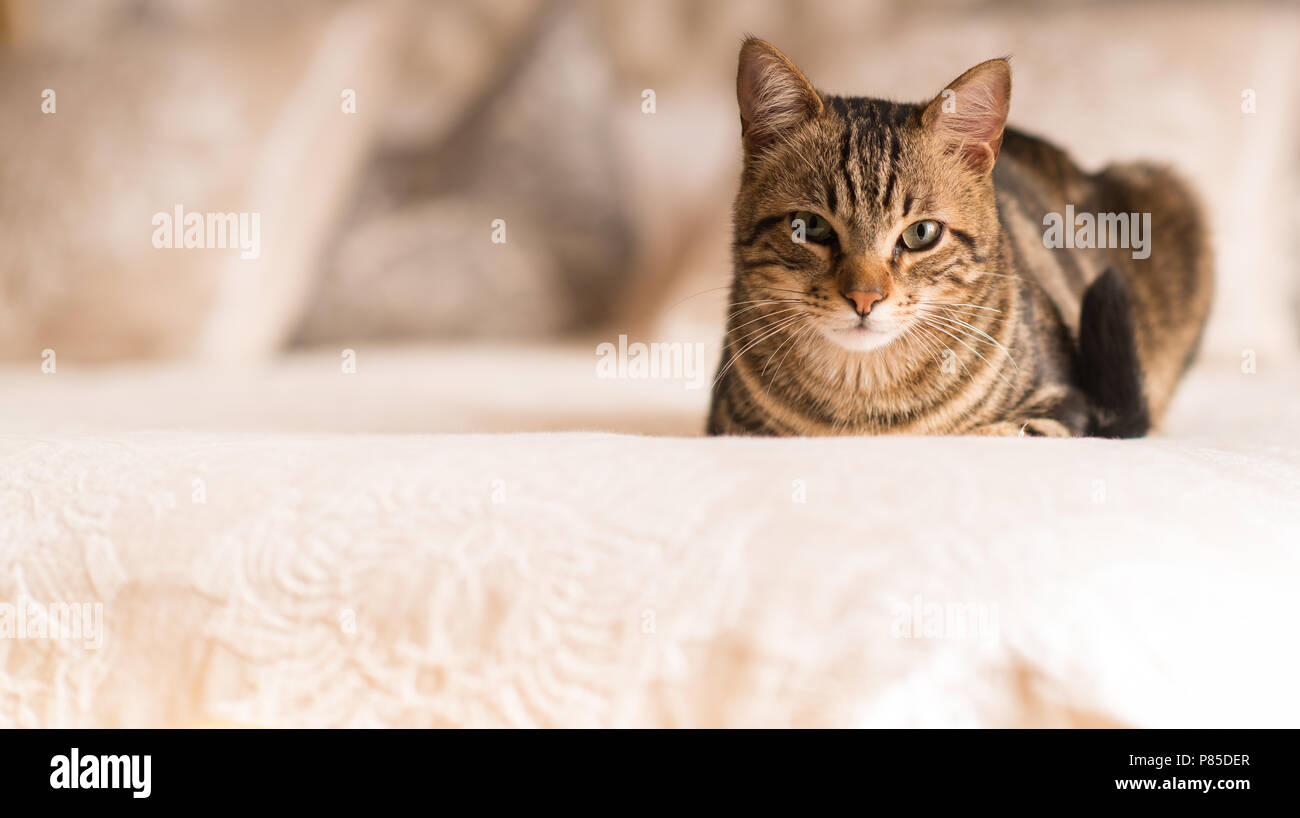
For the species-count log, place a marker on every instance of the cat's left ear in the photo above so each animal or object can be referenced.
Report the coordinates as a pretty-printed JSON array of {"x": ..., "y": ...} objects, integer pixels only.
[{"x": 968, "y": 116}]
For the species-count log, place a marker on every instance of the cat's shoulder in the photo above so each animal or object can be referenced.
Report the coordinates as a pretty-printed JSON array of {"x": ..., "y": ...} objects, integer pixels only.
[{"x": 1034, "y": 156}]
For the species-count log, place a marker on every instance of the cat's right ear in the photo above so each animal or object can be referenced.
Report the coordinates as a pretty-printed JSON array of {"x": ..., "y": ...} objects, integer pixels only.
[
  {"x": 773, "y": 94},
  {"x": 969, "y": 116}
]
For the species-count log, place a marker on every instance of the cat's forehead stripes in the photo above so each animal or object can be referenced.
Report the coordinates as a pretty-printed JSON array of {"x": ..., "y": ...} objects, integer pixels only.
[
  {"x": 871, "y": 144},
  {"x": 848, "y": 175}
]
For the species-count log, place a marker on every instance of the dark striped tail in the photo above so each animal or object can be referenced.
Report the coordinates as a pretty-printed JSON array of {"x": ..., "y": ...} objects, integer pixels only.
[{"x": 1109, "y": 371}]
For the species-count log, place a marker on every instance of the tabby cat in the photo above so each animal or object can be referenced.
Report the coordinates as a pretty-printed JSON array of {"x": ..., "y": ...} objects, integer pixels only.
[{"x": 892, "y": 273}]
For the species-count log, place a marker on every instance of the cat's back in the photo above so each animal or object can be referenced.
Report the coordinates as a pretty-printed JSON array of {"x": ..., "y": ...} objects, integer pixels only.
[
  {"x": 1034, "y": 178},
  {"x": 1164, "y": 257},
  {"x": 1028, "y": 159}
]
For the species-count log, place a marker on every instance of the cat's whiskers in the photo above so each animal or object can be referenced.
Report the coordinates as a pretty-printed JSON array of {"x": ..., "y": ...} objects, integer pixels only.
[
  {"x": 763, "y": 301},
  {"x": 923, "y": 341},
  {"x": 780, "y": 325},
  {"x": 697, "y": 295},
  {"x": 762, "y": 317},
  {"x": 794, "y": 333},
  {"x": 964, "y": 309},
  {"x": 804, "y": 336},
  {"x": 961, "y": 304},
  {"x": 914, "y": 341},
  {"x": 965, "y": 334},
  {"x": 756, "y": 305},
  {"x": 1029, "y": 281},
  {"x": 932, "y": 348},
  {"x": 926, "y": 332},
  {"x": 777, "y": 289},
  {"x": 951, "y": 320},
  {"x": 768, "y": 360},
  {"x": 735, "y": 303},
  {"x": 973, "y": 315},
  {"x": 936, "y": 326}
]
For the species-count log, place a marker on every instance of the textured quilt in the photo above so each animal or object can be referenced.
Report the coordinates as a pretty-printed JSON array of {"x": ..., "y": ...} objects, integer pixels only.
[{"x": 245, "y": 573}]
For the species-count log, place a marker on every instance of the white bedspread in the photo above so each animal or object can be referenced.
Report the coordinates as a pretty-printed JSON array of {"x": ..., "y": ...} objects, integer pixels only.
[{"x": 253, "y": 575}]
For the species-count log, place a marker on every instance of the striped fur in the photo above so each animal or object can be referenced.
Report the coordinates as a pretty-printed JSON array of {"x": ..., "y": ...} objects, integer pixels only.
[{"x": 978, "y": 334}]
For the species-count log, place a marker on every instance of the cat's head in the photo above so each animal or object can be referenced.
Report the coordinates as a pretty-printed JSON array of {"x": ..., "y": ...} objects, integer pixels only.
[{"x": 858, "y": 215}]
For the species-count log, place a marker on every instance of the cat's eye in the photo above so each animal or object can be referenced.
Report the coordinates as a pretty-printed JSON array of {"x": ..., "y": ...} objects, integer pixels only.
[
  {"x": 815, "y": 228},
  {"x": 922, "y": 234}
]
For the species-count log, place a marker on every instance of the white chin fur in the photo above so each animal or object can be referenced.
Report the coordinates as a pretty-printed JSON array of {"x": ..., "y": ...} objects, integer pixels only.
[{"x": 859, "y": 340}]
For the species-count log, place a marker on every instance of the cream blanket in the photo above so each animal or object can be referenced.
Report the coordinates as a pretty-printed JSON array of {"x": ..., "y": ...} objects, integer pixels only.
[{"x": 251, "y": 575}]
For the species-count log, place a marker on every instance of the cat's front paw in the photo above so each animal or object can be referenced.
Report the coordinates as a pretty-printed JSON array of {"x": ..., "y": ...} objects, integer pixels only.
[{"x": 1033, "y": 427}]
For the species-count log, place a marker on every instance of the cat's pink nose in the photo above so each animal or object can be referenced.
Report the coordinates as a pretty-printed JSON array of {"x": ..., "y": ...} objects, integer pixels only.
[{"x": 864, "y": 300}]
